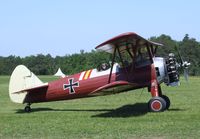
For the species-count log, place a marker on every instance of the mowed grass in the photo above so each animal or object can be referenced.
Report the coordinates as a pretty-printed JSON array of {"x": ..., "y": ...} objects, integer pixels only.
[{"x": 120, "y": 116}]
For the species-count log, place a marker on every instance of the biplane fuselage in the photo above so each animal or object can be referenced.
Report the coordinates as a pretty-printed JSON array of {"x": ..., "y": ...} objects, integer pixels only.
[{"x": 91, "y": 83}]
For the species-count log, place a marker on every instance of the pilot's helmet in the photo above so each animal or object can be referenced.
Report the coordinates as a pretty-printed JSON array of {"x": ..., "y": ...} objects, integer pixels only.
[{"x": 171, "y": 55}]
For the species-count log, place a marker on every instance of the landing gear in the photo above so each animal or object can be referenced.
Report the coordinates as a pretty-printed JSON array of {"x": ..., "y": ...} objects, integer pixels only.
[
  {"x": 157, "y": 104},
  {"x": 27, "y": 108}
]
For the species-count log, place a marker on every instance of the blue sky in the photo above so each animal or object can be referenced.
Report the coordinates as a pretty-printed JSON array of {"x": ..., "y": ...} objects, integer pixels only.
[{"x": 60, "y": 27}]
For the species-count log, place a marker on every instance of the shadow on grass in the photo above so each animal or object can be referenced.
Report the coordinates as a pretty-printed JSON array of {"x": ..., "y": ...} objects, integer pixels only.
[
  {"x": 34, "y": 110},
  {"x": 176, "y": 109},
  {"x": 124, "y": 111},
  {"x": 134, "y": 110},
  {"x": 137, "y": 109},
  {"x": 60, "y": 110}
]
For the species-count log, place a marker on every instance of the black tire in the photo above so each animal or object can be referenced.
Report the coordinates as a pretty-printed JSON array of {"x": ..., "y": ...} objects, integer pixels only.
[
  {"x": 27, "y": 109},
  {"x": 157, "y": 104},
  {"x": 167, "y": 101}
]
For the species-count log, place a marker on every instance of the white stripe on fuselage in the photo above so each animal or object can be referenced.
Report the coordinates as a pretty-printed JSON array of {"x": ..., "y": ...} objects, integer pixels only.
[
  {"x": 96, "y": 73},
  {"x": 81, "y": 76}
]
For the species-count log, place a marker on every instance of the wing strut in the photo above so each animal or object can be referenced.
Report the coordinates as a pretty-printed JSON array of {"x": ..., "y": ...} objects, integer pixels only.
[
  {"x": 113, "y": 59},
  {"x": 129, "y": 51},
  {"x": 120, "y": 56},
  {"x": 149, "y": 52}
]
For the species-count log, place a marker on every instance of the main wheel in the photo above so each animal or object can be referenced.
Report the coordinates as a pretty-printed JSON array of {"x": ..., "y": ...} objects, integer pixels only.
[
  {"x": 27, "y": 109},
  {"x": 167, "y": 101},
  {"x": 157, "y": 104}
]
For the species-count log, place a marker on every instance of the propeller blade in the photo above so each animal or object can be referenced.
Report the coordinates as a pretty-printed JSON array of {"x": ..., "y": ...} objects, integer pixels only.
[
  {"x": 179, "y": 55},
  {"x": 184, "y": 65}
]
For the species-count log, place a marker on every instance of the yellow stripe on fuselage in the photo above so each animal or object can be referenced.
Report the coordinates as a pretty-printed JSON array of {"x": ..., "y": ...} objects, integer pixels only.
[{"x": 87, "y": 74}]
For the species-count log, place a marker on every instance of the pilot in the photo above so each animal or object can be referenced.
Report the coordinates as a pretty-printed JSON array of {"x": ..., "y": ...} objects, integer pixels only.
[{"x": 103, "y": 67}]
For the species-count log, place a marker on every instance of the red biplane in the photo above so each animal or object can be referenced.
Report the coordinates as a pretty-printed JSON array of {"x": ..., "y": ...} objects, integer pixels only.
[{"x": 137, "y": 67}]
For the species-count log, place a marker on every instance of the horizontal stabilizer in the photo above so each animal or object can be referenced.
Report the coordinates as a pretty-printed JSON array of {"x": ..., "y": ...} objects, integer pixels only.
[{"x": 33, "y": 89}]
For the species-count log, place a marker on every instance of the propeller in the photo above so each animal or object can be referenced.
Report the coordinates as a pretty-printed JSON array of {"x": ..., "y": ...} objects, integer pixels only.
[{"x": 184, "y": 64}]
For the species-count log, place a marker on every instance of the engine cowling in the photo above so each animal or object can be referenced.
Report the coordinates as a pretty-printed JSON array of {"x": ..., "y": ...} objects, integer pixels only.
[
  {"x": 160, "y": 67},
  {"x": 167, "y": 70}
]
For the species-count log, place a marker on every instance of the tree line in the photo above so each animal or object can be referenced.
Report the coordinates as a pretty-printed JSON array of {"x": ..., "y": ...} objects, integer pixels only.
[{"x": 73, "y": 63}]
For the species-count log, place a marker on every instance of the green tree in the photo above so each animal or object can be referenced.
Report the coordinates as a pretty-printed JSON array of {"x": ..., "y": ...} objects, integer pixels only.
[
  {"x": 190, "y": 51},
  {"x": 168, "y": 42}
]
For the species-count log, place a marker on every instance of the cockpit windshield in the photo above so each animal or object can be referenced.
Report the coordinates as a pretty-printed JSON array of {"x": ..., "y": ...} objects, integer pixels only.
[
  {"x": 142, "y": 57},
  {"x": 138, "y": 56}
]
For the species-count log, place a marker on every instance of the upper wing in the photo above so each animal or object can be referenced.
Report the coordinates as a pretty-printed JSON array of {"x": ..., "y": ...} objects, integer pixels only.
[{"x": 125, "y": 40}]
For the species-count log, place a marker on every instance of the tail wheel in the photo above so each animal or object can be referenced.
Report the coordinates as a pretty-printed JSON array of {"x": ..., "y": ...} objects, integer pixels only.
[
  {"x": 27, "y": 108},
  {"x": 157, "y": 104},
  {"x": 167, "y": 101}
]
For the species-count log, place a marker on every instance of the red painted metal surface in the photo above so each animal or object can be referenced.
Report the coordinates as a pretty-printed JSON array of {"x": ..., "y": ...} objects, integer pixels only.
[
  {"x": 154, "y": 82},
  {"x": 125, "y": 36}
]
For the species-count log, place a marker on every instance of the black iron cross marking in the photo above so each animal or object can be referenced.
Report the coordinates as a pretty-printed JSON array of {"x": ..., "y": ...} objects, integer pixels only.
[{"x": 71, "y": 84}]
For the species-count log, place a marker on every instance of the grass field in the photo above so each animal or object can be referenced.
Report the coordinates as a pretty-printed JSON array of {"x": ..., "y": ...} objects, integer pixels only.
[{"x": 116, "y": 116}]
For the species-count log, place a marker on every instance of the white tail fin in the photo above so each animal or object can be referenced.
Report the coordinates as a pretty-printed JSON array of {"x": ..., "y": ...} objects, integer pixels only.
[{"x": 21, "y": 79}]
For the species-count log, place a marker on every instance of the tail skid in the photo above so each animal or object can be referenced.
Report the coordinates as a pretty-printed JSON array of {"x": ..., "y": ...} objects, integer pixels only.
[{"x": 21, "y": 80}]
